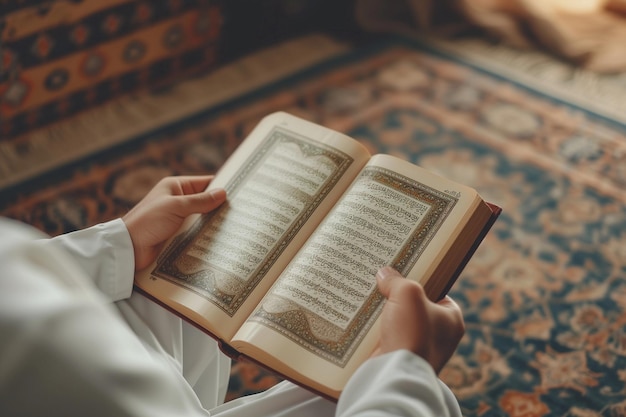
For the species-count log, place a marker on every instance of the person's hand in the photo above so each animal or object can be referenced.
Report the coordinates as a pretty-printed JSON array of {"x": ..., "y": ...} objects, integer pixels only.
[
  {"x": 161, "y": 213},
  {"x": 411, "y": 321}
]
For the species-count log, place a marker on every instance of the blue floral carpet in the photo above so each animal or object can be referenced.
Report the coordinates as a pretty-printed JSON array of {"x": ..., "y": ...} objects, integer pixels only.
[{"x": 544, "y": 297}]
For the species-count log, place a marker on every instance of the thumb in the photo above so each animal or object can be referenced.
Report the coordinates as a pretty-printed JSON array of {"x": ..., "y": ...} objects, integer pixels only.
[
  {"x": 385, "y": 278},
  {"x": 201, "y": 202}
]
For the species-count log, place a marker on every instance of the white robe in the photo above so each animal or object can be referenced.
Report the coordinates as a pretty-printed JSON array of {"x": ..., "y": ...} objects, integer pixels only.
[{"x": 66, "y": 351}]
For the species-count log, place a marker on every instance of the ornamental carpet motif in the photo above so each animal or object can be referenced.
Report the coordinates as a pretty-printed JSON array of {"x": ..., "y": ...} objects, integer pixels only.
[{"x": 544, "y": 298}]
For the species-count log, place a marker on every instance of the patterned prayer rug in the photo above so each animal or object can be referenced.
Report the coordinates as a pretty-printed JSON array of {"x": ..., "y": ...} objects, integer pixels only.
[{"x": 545, "y": 296}]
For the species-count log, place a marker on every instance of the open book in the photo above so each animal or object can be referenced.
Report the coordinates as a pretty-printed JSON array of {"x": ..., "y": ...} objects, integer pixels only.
[{"x": 283, "y": 273}]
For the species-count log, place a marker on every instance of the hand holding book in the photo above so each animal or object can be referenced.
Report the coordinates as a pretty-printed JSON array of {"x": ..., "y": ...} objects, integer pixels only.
[
  {"x": 411, "y": 321},
  {"x": 162, "y": 211}
]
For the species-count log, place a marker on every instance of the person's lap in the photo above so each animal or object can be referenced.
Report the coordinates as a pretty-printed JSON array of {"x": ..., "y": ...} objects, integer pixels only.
[{"x": 207, "y": 369}]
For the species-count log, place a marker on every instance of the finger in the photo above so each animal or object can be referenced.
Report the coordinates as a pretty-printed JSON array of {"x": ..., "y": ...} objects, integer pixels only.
[
  {"x": 201, "y": 202},
  {"x": 196, "y": 184},
  {"x": 187, "y": 184},
  {"x": 385, "y": 277},
  {"x": 401, "y": 291},
  {"x": 390, "y": 281}
]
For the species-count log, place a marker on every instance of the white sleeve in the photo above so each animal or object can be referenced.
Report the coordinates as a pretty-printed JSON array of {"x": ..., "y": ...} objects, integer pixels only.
[
  {"x": 396, "y": 384},
  {"x": 64, "y": 350},
  {"x": 105, "y": 253}
]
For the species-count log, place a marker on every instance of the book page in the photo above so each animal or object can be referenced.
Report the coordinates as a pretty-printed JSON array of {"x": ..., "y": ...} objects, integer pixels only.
[
  {"x": 326, "y": 301},
  {"x": 277, "y": 189}
]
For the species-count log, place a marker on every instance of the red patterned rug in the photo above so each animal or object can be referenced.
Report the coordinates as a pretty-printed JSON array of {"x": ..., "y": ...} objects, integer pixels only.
[{"x": 545, "y": 296}]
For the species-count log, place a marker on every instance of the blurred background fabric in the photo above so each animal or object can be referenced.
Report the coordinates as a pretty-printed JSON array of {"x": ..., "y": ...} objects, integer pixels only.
[{"x": 589, "y": 33}]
